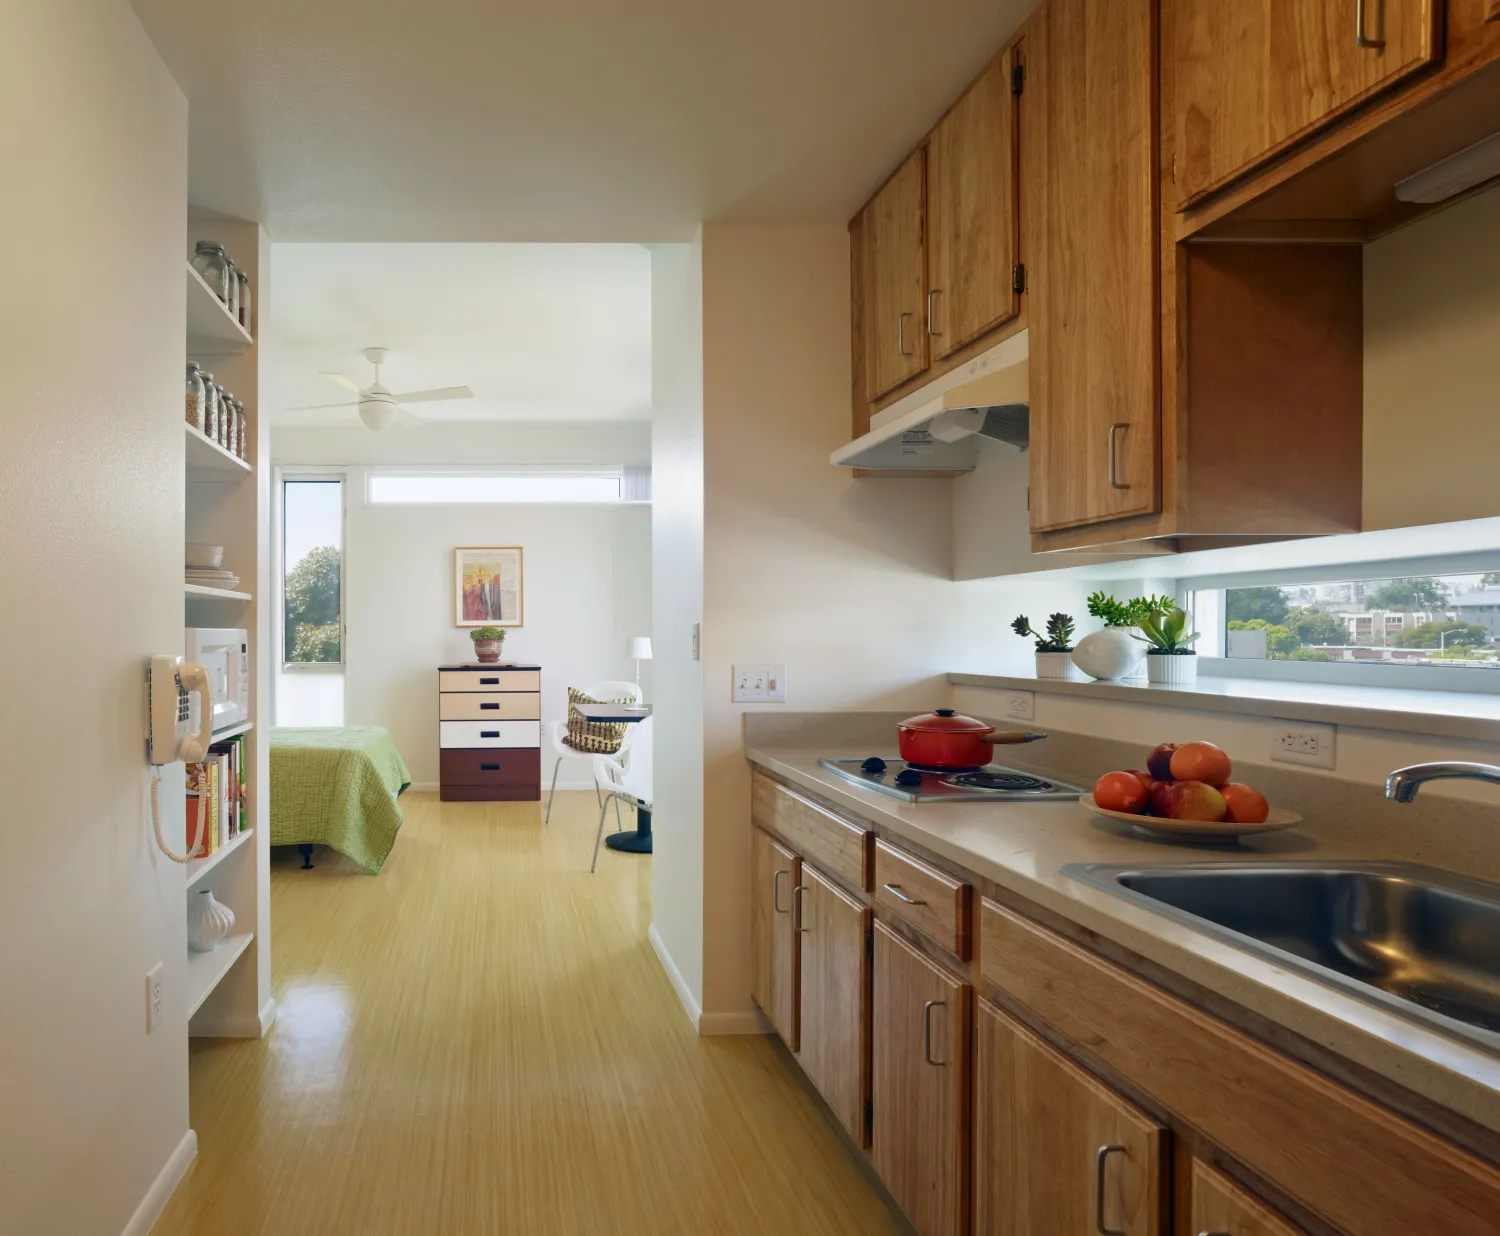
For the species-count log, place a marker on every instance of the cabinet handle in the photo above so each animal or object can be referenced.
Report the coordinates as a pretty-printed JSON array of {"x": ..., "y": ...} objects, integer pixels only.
[
  {"x": 489, "y": 768},
  {"x": 931, "y": 329},
  {"x": 489, "y": 708},
  {"x": 797, "y": 910},
  {"x": 895, "y": 891},
  {"x": 489, "y": 733},
  {"x": 489, "y": 682},
  {"x": 901, "y": 334},
  {"x": 1111, "y": 444},
  {"x": 927, "y": 1032},
  {"x": 1099, "y": 1161},
  {"x": 1216, "y": 1232},
  {"x": 1359, "y": 29},
  {"x": 776, "y": 890}
]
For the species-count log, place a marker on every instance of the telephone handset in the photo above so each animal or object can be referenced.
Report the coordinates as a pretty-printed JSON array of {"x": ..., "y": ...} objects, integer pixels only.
[{"x": 170, "y": 737}]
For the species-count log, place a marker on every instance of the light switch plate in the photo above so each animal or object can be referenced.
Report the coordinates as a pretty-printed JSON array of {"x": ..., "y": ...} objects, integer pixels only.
[{"x": 758, "y": 683}]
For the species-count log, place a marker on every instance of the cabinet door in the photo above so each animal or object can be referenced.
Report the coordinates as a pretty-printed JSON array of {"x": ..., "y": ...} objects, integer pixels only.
[
  {"x": 920, "y": 1086},
  {"x": 1089, "y": 156},
  {"x": 972, "y": 213},
  {"x": 834, "y": 1013},
  {"x": 773, "y": 942},
  {"x": 1056, "y": 1152},
  {"x": 1255, "y": 76},
  {"x": 894, "y": 283},
  {"x": 1222, "y": 1208}
]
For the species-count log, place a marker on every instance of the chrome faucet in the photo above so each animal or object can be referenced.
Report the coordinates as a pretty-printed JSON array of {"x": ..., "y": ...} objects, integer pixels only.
[{"x": 1403, "y": 784}]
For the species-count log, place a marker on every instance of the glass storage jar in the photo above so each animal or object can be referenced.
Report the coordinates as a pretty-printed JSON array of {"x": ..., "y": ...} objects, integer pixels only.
[
  {"x": 232, "y": 289},
  {"x": 240, "y": 447},
  {"x": 210, "y": 407},
  {"x": 211, "y": 263},
  {"x": 244, "y": 298},
  {"x": 226, "y": 417},
  {"x": 196, "y": 396}
]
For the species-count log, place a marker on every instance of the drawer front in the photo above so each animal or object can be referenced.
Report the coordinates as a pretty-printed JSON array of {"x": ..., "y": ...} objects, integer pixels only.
[
  {"x": 487, "y": 706},
  {"x": 519, "y": 769},
  {"x": 497, "y": 679},
  {"x": 464, "y": 734},
  {"x": 836, "y": 846},
  {"x": 934, "y": 903}
]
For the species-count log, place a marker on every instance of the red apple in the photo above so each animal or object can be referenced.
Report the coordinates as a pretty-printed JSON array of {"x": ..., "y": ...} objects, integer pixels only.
[
  {"x": 1194, "y": 800},
  {"x": 1244, "y": 805},
  {"x": 1200, "y": 761},
  {"x": 1121, "y": 791},
  {"x": 1161, "y": 794},
  {"x": 1145, "y": 778},
  {"x": 1159, "y": 762}
]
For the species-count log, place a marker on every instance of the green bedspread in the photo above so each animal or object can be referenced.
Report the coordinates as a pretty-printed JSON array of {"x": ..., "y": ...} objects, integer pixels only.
[{"x": 337, "y": 787}]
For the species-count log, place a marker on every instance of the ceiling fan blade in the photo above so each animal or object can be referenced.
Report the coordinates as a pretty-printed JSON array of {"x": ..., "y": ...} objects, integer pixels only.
[
  {"x": 408, "y": 420},
  {"x": 318, "y": 407},
  {"x": 346, "y": 383},
  {"x": 443, "y": 392}
]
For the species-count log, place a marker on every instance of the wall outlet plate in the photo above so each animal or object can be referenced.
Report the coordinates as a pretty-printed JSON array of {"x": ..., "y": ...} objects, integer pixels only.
[
  {"x": 759, "y": 683},
  {"x": 1019, "y": 705},
  {"x": 154, "y": 1000},
  {"x": 1304, "y": 742}
]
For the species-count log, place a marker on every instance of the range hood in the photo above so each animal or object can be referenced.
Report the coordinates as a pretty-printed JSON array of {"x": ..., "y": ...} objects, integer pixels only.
[{"x": 936, "y": 429}]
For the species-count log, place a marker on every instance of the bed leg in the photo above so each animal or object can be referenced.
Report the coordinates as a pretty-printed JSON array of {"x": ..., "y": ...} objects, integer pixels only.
[{"x": 306, "y": 852}]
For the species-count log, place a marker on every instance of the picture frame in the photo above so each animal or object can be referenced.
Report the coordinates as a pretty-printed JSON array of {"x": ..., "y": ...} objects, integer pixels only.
[{"x": 488, "y": 586}]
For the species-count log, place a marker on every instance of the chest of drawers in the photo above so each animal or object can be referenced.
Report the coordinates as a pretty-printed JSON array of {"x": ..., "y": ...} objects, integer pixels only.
[{"x": 490, "y": 732}]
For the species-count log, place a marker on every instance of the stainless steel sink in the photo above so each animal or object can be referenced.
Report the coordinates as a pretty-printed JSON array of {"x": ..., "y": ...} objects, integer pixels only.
[{"x": 1422, "y": 942}]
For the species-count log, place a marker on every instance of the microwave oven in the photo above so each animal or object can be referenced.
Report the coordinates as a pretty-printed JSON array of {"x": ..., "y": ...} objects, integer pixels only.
[{"x": 225, "y": 653}]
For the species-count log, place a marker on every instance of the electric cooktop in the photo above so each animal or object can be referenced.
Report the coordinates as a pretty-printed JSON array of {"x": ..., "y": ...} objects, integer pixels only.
[{"x": 916, "y": 784}]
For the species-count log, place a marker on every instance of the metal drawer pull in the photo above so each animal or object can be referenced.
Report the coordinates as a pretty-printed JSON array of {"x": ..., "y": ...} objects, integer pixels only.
[
  {"x": 927, "y": 1032},
  {"x": 489, "y": 682},
  {"x": 895, "y": 891},
  {"x": 776, "y": 890},
  {"x": 489, "y": 768},
  {"x": 1216, "y": 1232},
  {"x": 1359, "y": 29},
  {"x": 797, "y": 910},
  {"x": 1111, "y": 446},
  {"x": 901, "y": 333},
  {"x": 488, "y": 707},
  {"x": 489, "y": 733},
  {"x": 1100, "y": 1160},
  {"x": 931, "y": 328}
]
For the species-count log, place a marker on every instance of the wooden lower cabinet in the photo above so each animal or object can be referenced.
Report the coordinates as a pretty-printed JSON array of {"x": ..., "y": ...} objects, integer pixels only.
[
  {"x": 834, "y": 1019},
  {"x": 775, "y": 871},
  {"x": 919, "y": 1086},
  {"x": 1222, "y": 1208},
  {"x": 1056, "y": 1152}
]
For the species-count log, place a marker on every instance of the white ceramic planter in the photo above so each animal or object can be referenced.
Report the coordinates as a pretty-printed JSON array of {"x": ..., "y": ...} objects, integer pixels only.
[
  {"x": 209, "y": 921},
  {"x": 1173, "y": 671},
  {"x": 1057, "y": 665},
  {"x": 1109, "y": 654}
]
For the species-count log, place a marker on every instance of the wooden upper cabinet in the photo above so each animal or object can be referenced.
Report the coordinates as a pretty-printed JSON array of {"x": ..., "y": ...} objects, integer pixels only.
[
  {"x": 973, "y": 213},
  {"x": 892, "y": 282},
  {"x": 920, "y": 1086},
  {"x": 1089, "y": 175},
  {"x": 1221, "y": 1206},
  {"x": 1055, "y": 1150},
  {"x": 1255, "y": 76},
  {"x": 774, "y": 874}
]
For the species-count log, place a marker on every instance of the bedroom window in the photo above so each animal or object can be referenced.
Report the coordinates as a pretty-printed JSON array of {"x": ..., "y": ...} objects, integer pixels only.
[
  {"x": 312, "y": 610},
  {"x": 530, "y": 485}
]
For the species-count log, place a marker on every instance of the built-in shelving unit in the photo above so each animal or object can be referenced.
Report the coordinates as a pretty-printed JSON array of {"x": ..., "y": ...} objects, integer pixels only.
[
  {"x": 233, "y": 731},
  {"x": 207, "y": 456},
  {"x": 223, "y": 594},
  {"x": 211, "y": 330},
  {"x": 206, "y": 970},
  {"x": 200, "y": 867}
]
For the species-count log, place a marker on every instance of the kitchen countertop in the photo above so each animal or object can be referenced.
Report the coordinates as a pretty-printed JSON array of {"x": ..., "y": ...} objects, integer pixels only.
[{"x": 1023, "y": 847}]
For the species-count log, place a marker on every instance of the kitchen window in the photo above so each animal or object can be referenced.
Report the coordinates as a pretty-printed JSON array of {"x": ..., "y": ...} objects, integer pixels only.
[{"x": 522, "y": 485}]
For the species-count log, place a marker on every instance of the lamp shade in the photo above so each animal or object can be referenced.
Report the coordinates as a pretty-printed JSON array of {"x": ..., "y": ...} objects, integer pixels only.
[{"x": 639, "y": 648}]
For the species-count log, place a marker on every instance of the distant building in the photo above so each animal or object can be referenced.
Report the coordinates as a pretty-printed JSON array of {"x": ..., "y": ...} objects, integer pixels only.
[
  {"x": 1383, "y": 628},
  {"x": 1482, "y": 608}
]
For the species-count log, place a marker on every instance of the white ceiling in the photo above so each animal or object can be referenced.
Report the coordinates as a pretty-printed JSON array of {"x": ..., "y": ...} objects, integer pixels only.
[
  {"x": 569, "y": 120},
  {"x": 538, "y": 332}
]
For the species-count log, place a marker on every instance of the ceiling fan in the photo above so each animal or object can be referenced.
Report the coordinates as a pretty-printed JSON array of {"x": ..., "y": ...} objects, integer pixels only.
[{"x": 378, "y": 408}]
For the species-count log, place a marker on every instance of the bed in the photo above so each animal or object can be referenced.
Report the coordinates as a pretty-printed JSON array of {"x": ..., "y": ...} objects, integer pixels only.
[{"x": 338, "y": 787}]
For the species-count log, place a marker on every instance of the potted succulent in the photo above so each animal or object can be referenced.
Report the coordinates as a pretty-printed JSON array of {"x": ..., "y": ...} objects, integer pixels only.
[
  {"x": 1113, "y": 653},
  {"x": 487, "y": 643},
  {"x": 1053, "y": 648},
  {"x": 1170, "y": 658}
]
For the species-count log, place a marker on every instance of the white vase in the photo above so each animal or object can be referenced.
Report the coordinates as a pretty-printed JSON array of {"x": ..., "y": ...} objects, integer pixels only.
[
  {"x": 1174, "y": 670},
  {"x": 209, "y": 921},
  {"x": 1057, "y": 665},
  {"x": 1109, "y": 654}
]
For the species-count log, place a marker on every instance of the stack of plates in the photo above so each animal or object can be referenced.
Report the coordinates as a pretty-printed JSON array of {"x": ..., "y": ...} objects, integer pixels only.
[{"x": 213, "y": 579}]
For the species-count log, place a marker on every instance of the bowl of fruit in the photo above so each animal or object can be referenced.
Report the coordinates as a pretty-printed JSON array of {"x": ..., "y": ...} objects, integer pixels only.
[{"x": 1186, "y": 791}]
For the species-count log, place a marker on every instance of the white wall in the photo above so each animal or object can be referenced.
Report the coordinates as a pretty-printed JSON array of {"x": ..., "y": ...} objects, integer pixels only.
[
  {"x": 587, "y": 577},
  {"x": 93, "y": 218}
]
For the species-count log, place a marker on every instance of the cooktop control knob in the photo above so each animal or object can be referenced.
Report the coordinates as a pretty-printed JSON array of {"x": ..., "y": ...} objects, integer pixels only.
[
  {"x": 908, "y": 776},
  {"x": 874, "y": 765}
]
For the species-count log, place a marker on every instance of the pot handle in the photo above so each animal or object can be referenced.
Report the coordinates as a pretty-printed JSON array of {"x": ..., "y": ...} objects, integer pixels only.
[{"x": 1002, "y": 738}]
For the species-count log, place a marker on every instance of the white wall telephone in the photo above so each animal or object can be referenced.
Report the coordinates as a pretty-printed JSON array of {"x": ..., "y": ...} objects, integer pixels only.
[{"x": 169, "y": 735}]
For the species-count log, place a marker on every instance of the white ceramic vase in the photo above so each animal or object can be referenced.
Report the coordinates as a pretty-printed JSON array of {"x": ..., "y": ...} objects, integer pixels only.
[
  {"x": 1057, "y": 665},
  {"x": 209, "y": 921},
  {"x": 1170, "y": 669},
  {"x": 1109, "y": 654}
]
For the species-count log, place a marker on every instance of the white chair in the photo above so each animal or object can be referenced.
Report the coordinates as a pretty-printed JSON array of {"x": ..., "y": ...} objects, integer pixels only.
[
  {"x": 626, "y": 779},
  {"x": 599, "y": 691}
]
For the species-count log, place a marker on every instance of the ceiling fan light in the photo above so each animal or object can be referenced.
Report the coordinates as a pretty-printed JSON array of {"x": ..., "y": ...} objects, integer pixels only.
[{"x": 377, "y": 414}]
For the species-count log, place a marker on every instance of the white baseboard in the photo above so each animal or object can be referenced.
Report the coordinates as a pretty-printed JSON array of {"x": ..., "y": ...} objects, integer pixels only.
[
  {"x": 679, "y": 984},
  {"x": 267, "y": 1016},
  {"x": 236, "y": 1025},
  {"x": 751, "y": 1021},
  {"x": 162, "y": 1187}
]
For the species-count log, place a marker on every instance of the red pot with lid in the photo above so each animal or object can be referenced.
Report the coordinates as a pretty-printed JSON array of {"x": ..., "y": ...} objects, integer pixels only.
[{"x": 947, "y": 739}]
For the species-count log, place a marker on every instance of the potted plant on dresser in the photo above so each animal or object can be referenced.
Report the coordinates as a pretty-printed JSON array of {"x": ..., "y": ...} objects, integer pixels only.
[
  {"x": 487, "y": 643},
  {"x": 1054, "y": 649},
  {"x": 1170, "y": 659}
]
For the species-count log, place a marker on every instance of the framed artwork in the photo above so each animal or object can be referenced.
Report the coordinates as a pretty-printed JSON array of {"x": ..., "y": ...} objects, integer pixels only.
[{"x": 487, "y": 586}]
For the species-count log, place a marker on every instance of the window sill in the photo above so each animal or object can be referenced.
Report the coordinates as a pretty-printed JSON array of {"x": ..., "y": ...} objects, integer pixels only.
[{"x": 1445, "y": 714}]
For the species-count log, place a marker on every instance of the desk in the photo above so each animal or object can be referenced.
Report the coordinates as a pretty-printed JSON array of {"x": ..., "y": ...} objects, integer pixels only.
[{"x": 638, "y": 841}]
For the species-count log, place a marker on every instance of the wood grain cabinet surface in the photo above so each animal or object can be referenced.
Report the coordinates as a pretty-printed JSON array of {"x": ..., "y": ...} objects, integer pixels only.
[
  {"x": 1256, "y": 76},
  {"x": 1055, "y": 1150},
  {"x": 774, "y": 874},
  {"x": 919, "y": 1089},
  {"x": 490, "y": 733},
  {"x": 1221, "y": 1208},
  {"x": 893, "y": 277}
]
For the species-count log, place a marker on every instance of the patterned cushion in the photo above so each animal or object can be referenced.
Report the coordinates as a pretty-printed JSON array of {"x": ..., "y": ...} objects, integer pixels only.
[{"x": 594, "y": 737}]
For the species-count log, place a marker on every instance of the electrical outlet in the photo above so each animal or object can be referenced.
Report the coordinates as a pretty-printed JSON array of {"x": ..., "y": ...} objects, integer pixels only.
[
  {"x": 1305, "y": 742},
  {"x": 153, "y": 997},
  {"x": 1020, "y": 705}
]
